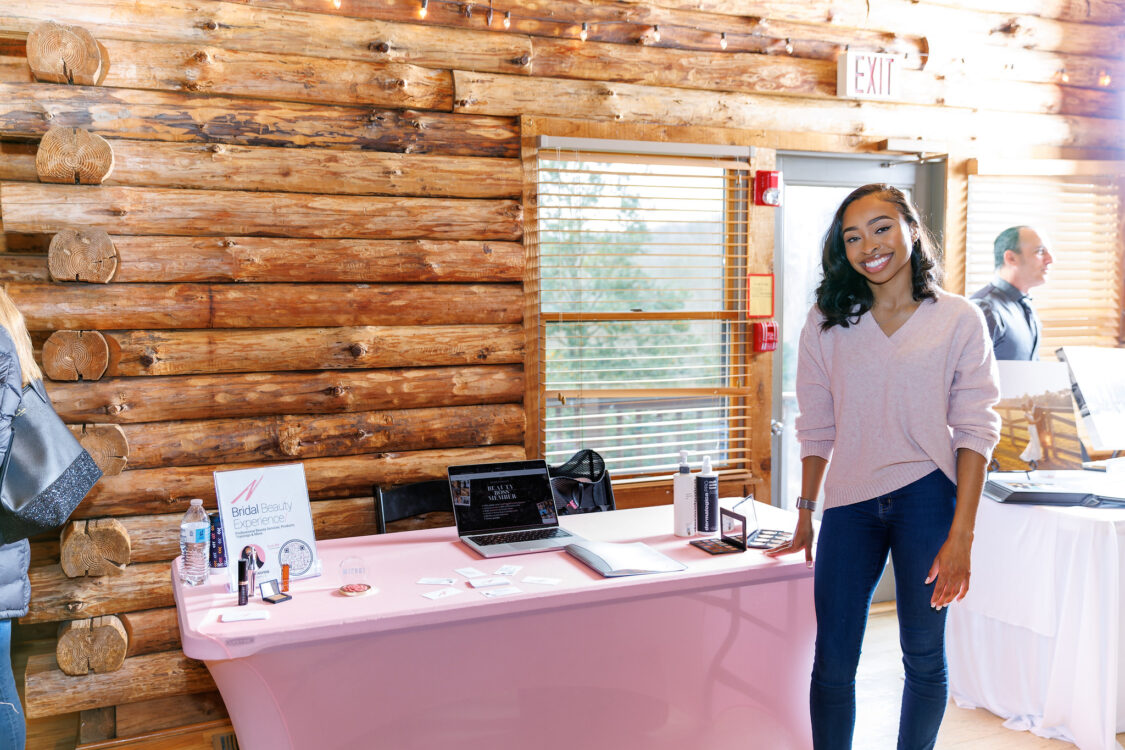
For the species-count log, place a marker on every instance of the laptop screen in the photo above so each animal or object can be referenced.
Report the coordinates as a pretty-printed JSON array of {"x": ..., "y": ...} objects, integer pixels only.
[{"x": 494, "y": 497}]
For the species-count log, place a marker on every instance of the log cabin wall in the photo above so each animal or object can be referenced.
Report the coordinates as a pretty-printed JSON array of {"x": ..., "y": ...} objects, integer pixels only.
[{"x": 281, "y": 230}]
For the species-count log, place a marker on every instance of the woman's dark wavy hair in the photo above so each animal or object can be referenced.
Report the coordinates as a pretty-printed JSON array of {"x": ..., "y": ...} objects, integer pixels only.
[{"x": 843, "y": 294}]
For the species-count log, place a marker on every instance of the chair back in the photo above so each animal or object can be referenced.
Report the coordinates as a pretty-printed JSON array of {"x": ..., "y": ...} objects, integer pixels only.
[
  {"x": 408, "y": 500},
  {"x": 582, "y": 484}
]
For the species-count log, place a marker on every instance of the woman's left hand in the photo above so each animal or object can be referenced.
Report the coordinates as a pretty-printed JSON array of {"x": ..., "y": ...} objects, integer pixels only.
[{"x": 951, "y": 570}]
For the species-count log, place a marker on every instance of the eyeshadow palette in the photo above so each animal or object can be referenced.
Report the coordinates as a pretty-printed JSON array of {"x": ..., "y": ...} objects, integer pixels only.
[{"x": 271, "y": 592}]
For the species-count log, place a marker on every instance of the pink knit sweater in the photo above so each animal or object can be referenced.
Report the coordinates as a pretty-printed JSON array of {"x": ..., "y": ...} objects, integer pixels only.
[{"x": 889, "y": 410}]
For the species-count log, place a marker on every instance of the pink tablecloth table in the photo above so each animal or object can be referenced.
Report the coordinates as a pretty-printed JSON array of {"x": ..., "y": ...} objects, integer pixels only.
[{"x": 717, "y": 656}]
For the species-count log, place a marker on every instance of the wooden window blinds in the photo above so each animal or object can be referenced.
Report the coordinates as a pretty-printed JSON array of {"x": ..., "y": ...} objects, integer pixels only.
[
  {"x": 1080, "y": 215},
  {"x": 641, "y": 273}
]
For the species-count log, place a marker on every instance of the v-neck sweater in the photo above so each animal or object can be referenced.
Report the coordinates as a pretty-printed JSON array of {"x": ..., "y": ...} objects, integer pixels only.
[{"x": 888, "y": 410}]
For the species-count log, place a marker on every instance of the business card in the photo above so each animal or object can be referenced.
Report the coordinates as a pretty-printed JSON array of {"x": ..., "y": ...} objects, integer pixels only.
[
  {"x": 441, "y": 593},
  {"x": 508, "y": 570},
  {"x": 234, "y": 615},
  {"x": 470, "y": 572},
  {"x": 437, "y": 581},
  {"x": 499, "y": 591},
  {"x": 542, "y": 580}
]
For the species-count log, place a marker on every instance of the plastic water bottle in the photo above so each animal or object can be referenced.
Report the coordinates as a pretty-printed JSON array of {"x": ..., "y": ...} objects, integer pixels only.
[{"x": 195, "y": 532}]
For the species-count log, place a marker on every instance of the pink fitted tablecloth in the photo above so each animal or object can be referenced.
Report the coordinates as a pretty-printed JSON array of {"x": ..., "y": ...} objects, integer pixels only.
[{"x": 718, "y": 653}]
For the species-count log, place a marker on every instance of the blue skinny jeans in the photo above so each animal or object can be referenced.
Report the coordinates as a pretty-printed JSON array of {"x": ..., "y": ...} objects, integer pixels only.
[
  {"x": 911, "y": 523},
  {"x": 13, "y": 731}
]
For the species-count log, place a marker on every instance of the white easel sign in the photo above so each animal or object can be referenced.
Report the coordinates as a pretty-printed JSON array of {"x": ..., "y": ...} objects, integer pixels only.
[{"x": 267, "y": 508}]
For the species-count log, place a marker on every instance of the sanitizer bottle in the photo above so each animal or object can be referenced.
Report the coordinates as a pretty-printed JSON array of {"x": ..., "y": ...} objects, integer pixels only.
[{"x": 683, "y": 499}]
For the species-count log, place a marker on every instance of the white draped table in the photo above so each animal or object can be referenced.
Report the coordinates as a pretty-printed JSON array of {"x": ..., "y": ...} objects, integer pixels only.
[{"x": 1039, "y": 639}]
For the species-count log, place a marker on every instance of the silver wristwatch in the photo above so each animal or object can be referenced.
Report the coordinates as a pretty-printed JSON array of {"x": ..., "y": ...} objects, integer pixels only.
[{"x": 803, "y": 503}]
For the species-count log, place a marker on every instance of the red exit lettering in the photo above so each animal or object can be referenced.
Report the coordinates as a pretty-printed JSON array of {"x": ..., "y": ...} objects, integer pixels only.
[{"x": 872, "y": 75}]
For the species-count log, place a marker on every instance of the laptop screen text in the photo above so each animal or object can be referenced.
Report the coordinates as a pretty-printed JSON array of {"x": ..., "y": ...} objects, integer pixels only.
[{"x": 487, "y": 501}]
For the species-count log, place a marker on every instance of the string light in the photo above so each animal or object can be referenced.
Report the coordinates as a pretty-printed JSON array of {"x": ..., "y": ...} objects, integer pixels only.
[
  {"x": 651, "y": 37},
  {"x": 336, "y": 4},
  {"x": 1064, "y": 77},
  {"x": 1104, "y": 79}
]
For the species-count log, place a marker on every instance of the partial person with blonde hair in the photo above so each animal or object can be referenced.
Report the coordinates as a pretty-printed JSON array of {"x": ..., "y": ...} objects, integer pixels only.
[{"x": 17, "y": 369}]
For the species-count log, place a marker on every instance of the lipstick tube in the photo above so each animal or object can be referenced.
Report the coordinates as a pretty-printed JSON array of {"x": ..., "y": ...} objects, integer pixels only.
[{"x": 243, "y": 583}]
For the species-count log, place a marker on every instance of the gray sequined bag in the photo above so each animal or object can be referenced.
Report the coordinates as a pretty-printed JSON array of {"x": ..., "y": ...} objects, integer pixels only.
[{"x": 46, "y": 472}]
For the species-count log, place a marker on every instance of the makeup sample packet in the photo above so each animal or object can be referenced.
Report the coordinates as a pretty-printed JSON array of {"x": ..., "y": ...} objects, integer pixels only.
[
  {"x": 482, "y": 583},
  {"x": 542, "y": 580},
  {"x": 437, "y": 581},
  {"x": 508, "y": 570}
]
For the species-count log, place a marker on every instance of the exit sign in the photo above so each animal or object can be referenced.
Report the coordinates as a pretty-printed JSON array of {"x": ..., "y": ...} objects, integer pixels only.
[{"x": 869, "y": 75}]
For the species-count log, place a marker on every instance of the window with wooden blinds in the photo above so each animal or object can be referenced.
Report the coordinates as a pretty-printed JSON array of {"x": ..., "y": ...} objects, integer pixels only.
[
  {"x": 1081, "y": 301},
  {"x": 641, "y": 273}
]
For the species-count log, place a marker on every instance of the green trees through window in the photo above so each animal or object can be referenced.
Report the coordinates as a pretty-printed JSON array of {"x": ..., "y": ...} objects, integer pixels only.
[{"x": 635, "y": 269}]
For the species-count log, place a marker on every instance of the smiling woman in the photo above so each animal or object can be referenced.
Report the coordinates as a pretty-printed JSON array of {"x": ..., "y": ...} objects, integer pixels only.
[
  {"x": 875, "y": 234},
  {"x": 917, "y": 373}
]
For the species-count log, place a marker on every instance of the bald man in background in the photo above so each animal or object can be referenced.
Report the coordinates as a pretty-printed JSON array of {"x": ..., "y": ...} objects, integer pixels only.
[{"x": 1022, "y": 259}]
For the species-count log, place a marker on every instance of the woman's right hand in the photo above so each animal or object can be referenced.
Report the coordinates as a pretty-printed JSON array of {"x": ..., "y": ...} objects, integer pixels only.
[{"x": 802, "y": 539}]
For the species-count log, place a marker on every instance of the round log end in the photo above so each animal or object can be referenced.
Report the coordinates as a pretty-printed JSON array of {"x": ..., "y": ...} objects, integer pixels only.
[
  {"x": 75, "y": 355},
  {"x": 63, "y": 54},
  {"x": 94, "y": 548},
  {"x": 73, "y": 647},
  {"x": 106, "y": 444},
  {"x": 97, "y": 645},
  {"x": 84, "y": 254},
  {"x": 73, "y": 156}
]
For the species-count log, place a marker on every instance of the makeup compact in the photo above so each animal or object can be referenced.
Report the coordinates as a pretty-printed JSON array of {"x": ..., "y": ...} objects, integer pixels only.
[
  {"x": 733, "y": 537},
  {"x": 272, "y": 593}
]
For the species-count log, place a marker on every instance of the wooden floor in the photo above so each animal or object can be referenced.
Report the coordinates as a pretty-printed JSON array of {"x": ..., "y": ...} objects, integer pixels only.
[{"x": 879, "y": 692}]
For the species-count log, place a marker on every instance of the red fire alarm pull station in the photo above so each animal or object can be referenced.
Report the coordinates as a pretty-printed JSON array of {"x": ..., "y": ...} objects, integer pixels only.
[
  {"x": 765, "y": 336},
  {"x": 767, "y": 188}
]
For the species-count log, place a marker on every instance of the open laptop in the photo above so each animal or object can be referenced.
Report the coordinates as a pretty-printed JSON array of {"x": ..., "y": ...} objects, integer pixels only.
[{"x": 506, "y": 508}]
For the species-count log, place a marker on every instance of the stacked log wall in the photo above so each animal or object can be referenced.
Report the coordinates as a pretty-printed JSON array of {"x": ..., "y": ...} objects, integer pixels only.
[{"x": 315, "y": 223}]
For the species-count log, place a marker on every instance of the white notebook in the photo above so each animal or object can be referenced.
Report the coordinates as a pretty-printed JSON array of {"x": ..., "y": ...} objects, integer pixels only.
[{"x": 616, "y": 559}]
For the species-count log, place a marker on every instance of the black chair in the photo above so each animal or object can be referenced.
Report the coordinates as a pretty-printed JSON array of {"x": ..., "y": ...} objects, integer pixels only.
[
  {"x": 408, "y": 500},
  {"x": 582, "y": 485}
]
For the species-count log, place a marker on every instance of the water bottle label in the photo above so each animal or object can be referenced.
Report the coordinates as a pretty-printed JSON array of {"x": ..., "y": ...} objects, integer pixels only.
[{"x": 197, "y": 535}]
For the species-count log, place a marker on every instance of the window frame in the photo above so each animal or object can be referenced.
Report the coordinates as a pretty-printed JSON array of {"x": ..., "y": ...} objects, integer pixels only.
[{"x": 736, "y": 254}]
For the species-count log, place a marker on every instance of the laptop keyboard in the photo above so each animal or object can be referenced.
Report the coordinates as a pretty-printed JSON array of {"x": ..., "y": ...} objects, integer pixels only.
[{"x": 519, "y": 536}]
